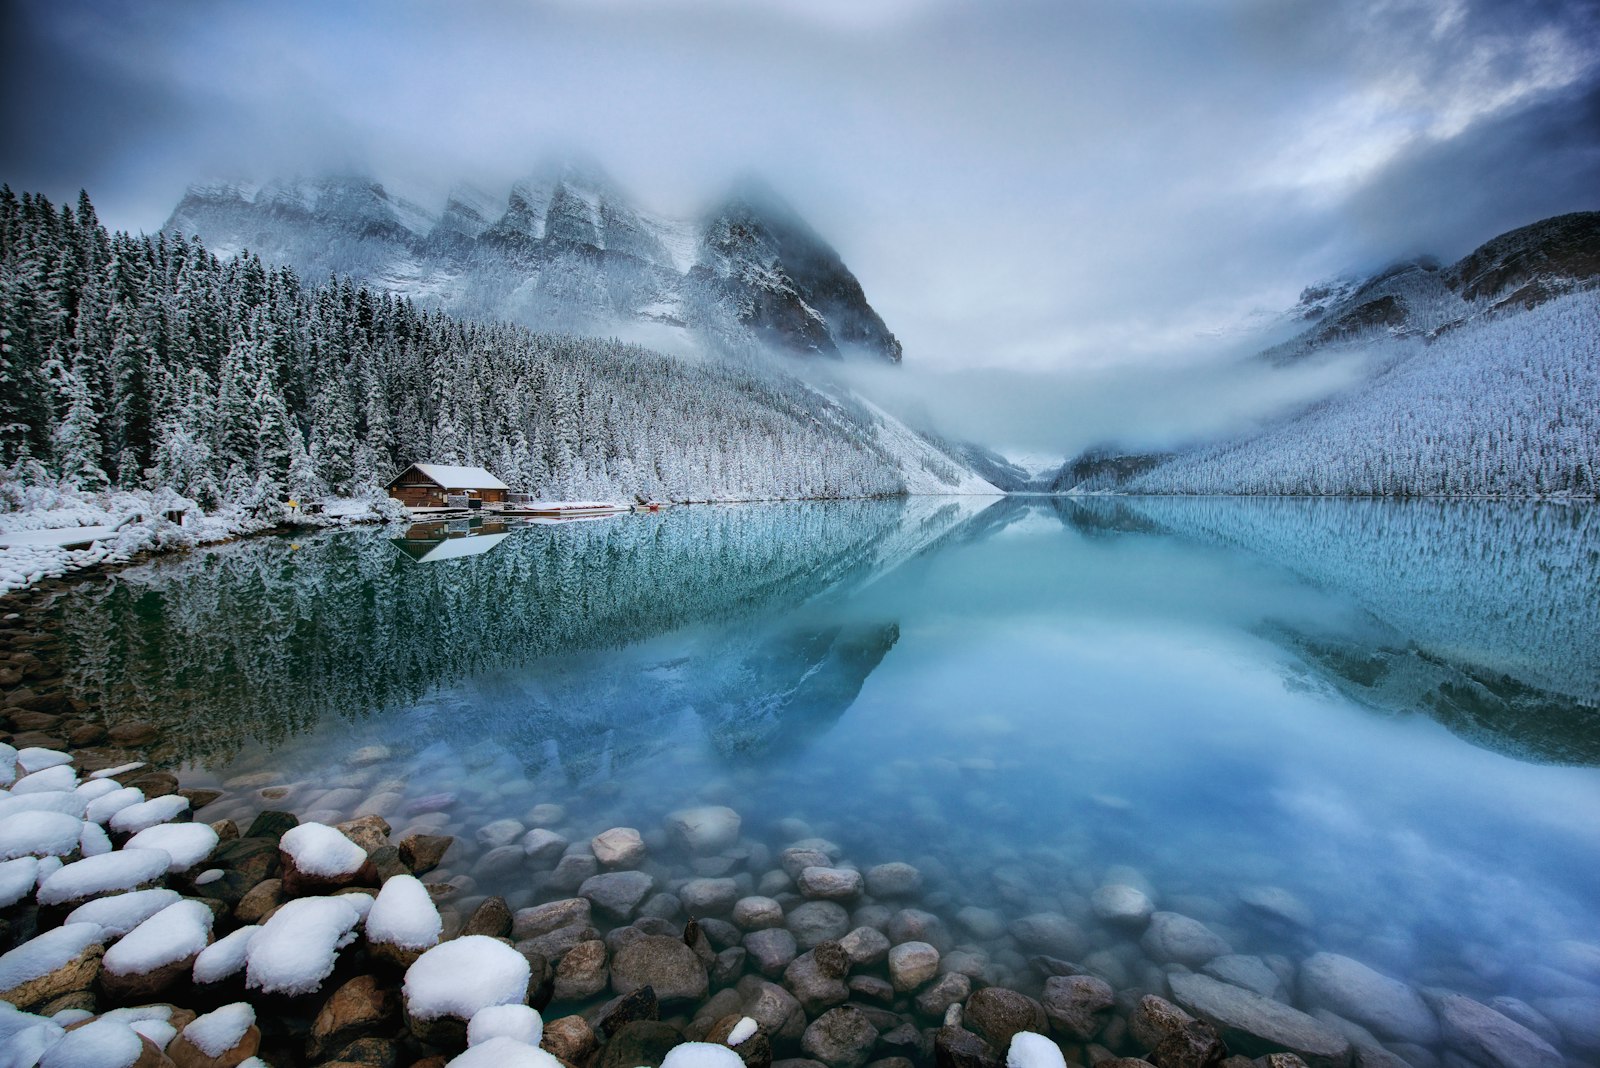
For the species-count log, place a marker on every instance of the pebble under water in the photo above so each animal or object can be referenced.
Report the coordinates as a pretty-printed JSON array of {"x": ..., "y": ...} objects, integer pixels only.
[{"x": 1296, "y": 748}]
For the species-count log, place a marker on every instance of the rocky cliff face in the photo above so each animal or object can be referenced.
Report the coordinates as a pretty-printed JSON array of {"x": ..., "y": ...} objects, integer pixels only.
[
  {"x": 563, "y": 250},
  {"x": 1518, "y": 270}
]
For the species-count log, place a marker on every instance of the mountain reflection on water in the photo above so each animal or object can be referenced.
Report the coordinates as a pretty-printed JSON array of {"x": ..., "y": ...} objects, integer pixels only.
[{"x": 1481, "y": 615}]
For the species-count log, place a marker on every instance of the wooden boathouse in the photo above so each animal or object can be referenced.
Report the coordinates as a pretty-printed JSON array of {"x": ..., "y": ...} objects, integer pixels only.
[{"x": 430, "y": 486}]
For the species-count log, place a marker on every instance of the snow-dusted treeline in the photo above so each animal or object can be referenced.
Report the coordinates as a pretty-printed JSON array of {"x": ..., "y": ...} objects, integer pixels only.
[
  {"x": 148, "y": 362},
  {"x": 1507, "y": 405}
]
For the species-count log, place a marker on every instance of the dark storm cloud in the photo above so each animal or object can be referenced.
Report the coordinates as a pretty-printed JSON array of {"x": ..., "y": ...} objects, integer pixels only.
[{"x": 1019, "y": 184}]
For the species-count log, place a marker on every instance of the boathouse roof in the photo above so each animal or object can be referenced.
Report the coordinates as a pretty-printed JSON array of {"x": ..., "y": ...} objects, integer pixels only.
[{"x": 454, "y": 477}]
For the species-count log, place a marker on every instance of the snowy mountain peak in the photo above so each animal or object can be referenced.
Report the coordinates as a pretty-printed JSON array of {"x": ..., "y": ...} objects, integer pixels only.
[{"x": 565, "y": 249}]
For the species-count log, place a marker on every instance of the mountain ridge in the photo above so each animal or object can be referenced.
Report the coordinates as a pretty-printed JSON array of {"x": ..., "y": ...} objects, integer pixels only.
[{"x": 564, "y": 250}]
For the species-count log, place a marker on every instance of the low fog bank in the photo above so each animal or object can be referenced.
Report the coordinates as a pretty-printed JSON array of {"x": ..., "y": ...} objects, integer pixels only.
[{"x": 1059, "y": 413}]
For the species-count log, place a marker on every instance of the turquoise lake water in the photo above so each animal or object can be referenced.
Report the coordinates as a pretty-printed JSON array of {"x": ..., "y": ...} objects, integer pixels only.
[{"x": 1389, "y": 710}]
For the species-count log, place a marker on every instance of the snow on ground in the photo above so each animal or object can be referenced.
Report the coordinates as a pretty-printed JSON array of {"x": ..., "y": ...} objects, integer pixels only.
[{"x": 48, "y": 529}]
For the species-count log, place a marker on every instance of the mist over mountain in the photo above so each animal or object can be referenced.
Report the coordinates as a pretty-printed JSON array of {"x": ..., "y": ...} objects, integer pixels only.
[
  {"x": 1480, "y": 379},
  {"x": 563, "y": 250}
]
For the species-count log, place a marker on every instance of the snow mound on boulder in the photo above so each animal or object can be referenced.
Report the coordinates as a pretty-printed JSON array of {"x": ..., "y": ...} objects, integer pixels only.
[
  {"x": 502, "y": 1052},
  {"x": 42, "y": 955},
  {"x": 121, "y": 913},
  {"x": 16, "y": 879},
  {"x": 460, "y": 977},
  {"x": 39, "y": 834},
  {"x": 1030, "y": 1050},
  {"x": 101, "y": 809},
  {"x": 97, "y": 1044},
  {"x": 225, "y": 956},
  {"x": 92, "y": 840},
  {"x": 136, "y": 818},
  {"x": 24, "y": 1037},
  {"x": 217, "y": 1032},
  {"x": 108, "y": 873},
  {"x": 60, "y": 777},
  {"x": 296, "y": 949},
  {"x": 323, "y": 851},
  {"x": 520, "y": 1022},
  {"x": 404, "y": 915},
  {"x": 187, "y": 843},
  {"x": 179, "y": 931},
  {"x": 36, "y": 758},
  {"x": 67, "y": 801},
  {"x": 701, "y": 1055}
]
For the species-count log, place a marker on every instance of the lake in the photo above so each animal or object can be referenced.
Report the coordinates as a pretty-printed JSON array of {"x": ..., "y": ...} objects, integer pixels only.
[{"x": 1364, "y": 727}]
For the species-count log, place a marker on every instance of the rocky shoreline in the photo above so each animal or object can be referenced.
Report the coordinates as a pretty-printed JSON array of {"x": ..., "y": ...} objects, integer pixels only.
[{"x": 184, "y": 914}]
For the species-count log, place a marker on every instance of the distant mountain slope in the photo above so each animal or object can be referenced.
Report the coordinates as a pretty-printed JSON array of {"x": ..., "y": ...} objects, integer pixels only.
[
  {"x": 1504, "y": 406},
  {"x": 1482, "y": 379},
  {"x": 564, "y": 250}
]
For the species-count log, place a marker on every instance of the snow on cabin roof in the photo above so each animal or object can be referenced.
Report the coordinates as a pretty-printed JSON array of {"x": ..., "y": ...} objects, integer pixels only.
[{"x": 459, "y": 477}]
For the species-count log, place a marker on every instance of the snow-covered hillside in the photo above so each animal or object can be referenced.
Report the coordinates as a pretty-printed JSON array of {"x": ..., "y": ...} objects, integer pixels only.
[
  {"x": 563, "y": 249},
  {"x": 1503, "y": 406},
  {"x": 1481, "y": 379}
]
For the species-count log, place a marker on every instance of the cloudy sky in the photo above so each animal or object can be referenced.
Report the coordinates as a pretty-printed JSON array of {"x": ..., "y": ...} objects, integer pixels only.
[{"x": 1023, "y": 186}]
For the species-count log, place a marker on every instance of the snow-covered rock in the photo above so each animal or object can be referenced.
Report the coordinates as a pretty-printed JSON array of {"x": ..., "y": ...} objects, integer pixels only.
[
  {"x": 56, "y": 962},
  {"x": 102, "y": 1043},
  {"x": 125, "y": 869},
  {"x": 17, "y": 879},
  {"x": 404, "y": 916},
  {"x": 37, "y": 758},
  {"x": 224, "y": 1036},
  {"x": 102, "y": 809},
  {"x": 121, "y": 913},
  {"x": 503, "y": 1052},
  {"x": 25, "y": 1037},
  {"x": 296, "y": 949},
  {"x": 318, "y": 857},
  {"x": 226, "y": 956},
  {"x": 153, "y": 954},
  {"x": 56, "y": 777},
  {"x": 701, "y": 1055},
  {"x": 187, "y": 843},
  {"x": 93, "y": 840},
  {"x": 461, "y": 977},
  {"x": 520, "y": 1022},
  {"x": 39, "y": 834},
  {"x": 147, "y": 814}
]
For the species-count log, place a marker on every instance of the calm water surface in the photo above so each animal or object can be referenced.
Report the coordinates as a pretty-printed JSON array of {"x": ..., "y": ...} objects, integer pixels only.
[{"x": 1390, "y": 710}]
